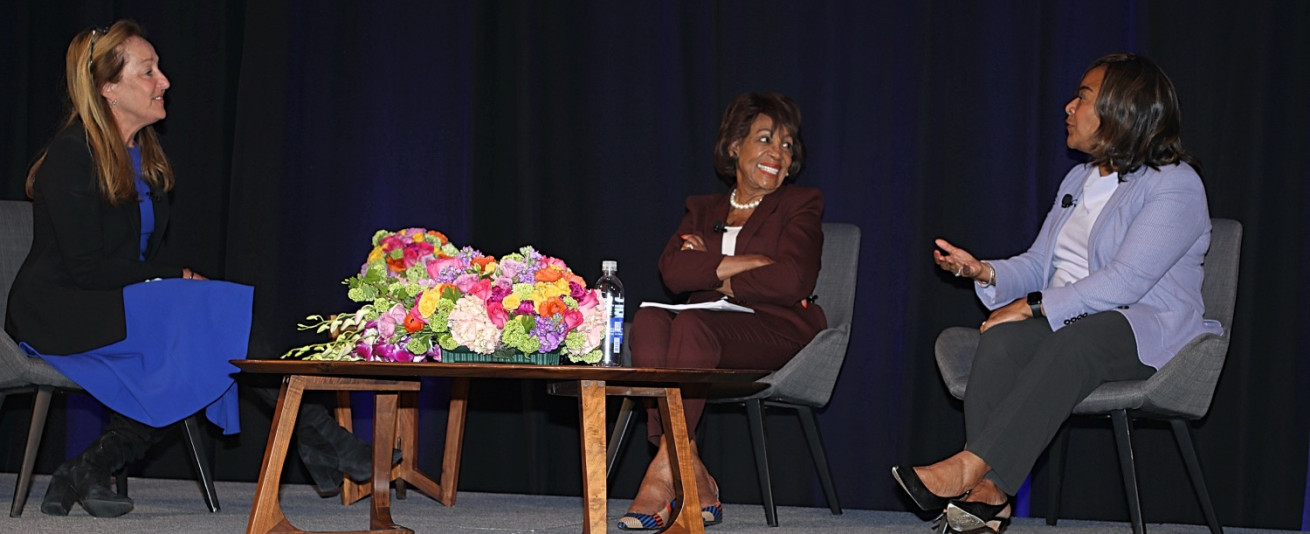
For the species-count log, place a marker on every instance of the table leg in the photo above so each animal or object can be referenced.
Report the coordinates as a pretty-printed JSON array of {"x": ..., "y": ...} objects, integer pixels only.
[
  {"x": 687, "y": 517},
  {"x": 454, "y": 449},
  {"x": 591, "y": 407},
  {"x": 384, "y": 431},
  {"x": 407, "y": 471},
  {"x": 266, "y": 513}
]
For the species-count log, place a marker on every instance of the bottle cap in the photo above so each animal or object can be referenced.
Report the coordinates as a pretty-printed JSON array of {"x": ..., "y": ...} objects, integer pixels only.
[{"x": 609, "y": 265}]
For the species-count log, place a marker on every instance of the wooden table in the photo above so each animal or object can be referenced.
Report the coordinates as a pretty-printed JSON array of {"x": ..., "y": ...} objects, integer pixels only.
[{"x": 392, "y": 380}]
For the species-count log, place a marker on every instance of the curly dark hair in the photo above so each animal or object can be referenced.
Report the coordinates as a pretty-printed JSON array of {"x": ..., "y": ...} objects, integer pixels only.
[
  {"x": 1141, "y": 123},
  {"x": 737, "y": 123}
]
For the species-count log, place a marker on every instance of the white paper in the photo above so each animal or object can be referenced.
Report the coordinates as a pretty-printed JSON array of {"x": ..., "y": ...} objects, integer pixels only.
[{"x": 717, "y": 305}]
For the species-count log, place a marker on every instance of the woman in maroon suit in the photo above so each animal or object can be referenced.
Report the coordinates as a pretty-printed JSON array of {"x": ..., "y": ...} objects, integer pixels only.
[{"x": 758, "y": 244}]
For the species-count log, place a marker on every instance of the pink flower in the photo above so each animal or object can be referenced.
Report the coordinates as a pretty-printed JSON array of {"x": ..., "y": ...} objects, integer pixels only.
[
  {"x": 401, "y": 354},
  {"x": 501, "y": 289},
  {"x": 422, "y": 249},
  {"x": 388, "y": 321},
  {"x": 481, "y": 289},
  {"x": 572, "y": 318},
  {"x": 593, "y": 325},
  {"x": 588, "y": 300},
  {"x": 435, "y": 266},
  {"x": 497, "y": 314},
  {"x": 385, "y": 352},
  {"x": 465, "y": 282},
  {"x": 554, "y": 262}
]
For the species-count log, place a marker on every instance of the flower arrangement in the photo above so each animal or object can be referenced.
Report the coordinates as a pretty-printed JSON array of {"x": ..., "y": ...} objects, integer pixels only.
[{"x": 422, "y": 295}]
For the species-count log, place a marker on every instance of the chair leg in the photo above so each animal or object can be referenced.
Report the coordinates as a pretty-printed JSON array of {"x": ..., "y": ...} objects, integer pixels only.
[
  {"x": 755, "y": 414},
  {"x": 40, "y": 408},
  {"x": 1055, "y": 473},
  {"x": 622, "y": 425},
  {"x": 820, "y": 456},
  {"x": 1124, "y": 439},
  {"x": 1183, "y": 435},
  {"x": 200, "y": 460}
]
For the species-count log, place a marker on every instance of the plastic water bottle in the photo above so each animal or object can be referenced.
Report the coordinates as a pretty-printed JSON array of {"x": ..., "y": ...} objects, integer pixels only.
[{"x": 611, "y": 299}]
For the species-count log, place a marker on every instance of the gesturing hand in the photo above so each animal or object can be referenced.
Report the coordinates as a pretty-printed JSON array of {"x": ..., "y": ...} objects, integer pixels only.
[{"x": 958, "y": 261}]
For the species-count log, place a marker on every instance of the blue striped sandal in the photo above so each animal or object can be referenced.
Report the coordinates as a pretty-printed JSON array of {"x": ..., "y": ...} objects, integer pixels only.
[{"x": 637, "y": 521}]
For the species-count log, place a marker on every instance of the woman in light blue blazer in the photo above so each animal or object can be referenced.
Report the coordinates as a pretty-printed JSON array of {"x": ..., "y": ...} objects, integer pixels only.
[{"x": 1110, "y": 290}]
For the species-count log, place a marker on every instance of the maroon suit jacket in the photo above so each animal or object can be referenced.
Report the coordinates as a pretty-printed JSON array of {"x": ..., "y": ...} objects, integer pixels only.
[{"x": 785, "y": 227}]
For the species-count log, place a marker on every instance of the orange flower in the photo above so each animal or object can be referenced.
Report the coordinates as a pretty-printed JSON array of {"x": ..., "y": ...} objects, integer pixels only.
[
  {"x": 440, "y": 237},
  {"x": 551, "y": 306},
  {"x": 396, "y": 264},
  {"x": 573, "y": 278},
  {"x": 549, "y": 274},
  {"x": 412, "y": 323},
  {"x": 482, "y": 261}
]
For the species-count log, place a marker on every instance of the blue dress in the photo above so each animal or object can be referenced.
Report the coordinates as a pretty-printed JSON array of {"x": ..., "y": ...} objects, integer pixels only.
[{"x": 174, "y": 360}]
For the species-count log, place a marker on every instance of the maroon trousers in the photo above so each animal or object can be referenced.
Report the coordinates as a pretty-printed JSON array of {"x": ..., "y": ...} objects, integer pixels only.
[{"x": 700, "y": 339}]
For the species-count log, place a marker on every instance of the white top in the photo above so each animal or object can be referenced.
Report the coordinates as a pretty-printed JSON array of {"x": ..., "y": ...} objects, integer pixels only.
[
  {"x": 730, "y": 240},
  {"x": 1070, "y": 258}
]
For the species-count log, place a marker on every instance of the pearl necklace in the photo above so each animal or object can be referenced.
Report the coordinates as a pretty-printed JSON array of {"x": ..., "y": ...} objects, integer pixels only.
[{"x": 732, "y": 200}]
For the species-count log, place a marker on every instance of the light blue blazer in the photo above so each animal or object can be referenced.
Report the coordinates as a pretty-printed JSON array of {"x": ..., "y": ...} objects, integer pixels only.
[{"x": 1146, "y": 250}]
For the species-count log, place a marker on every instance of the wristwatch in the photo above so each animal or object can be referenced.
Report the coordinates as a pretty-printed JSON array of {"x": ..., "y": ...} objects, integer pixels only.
[{"x": 1035, "y": 303}]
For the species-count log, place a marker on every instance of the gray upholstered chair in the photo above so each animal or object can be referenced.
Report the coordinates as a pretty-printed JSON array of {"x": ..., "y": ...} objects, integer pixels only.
[
  {"x": 1179, "y": 392},
  {"x": 21, "y": 374},
  {"x": 804, "y": 383}
]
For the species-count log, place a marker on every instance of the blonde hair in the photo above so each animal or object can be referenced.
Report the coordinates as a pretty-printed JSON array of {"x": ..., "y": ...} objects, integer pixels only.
[{"x": 95, "y": 57}]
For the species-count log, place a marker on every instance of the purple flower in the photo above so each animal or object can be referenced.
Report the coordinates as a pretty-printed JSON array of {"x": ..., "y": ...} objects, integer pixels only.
[
  {"x": 501, "y": 289},
  {"x": 550, "y": 332},
  {"x": 576, "y": 290},
  {"x": 387, "y": 352}
]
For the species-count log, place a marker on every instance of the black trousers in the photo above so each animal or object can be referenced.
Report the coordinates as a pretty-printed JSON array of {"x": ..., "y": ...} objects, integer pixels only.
[{"x": 1026, "y": 380}]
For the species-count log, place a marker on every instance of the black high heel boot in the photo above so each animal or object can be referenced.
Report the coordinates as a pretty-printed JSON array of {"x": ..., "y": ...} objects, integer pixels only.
[
  {"x": 329, "y": 451},
  {"x": 85, "y": 479},
  {"x": 59, "y": 496}
]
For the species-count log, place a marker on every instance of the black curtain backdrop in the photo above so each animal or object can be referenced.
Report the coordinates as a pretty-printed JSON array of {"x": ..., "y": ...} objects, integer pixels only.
[{"x": 297, "y": 129}]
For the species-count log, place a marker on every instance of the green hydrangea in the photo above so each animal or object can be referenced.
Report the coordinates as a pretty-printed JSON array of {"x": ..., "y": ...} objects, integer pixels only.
[
  {"x": 440, "y": 321},
  {"x": 447, "y": 341},
  {"x": 515, "y": 336},
  {"x": 419, "y": 344},
  {"x": 523, "y": 291}
]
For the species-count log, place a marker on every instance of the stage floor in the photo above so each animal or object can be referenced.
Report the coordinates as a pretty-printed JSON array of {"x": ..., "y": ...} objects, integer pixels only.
[{"x": 176, "y": 506}]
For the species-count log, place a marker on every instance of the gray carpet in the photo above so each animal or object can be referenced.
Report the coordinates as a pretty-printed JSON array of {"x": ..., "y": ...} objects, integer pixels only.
[{"x": 176, "y": 506}]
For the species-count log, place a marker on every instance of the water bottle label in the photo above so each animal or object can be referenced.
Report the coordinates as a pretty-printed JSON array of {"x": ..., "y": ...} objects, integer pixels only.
[{"x": 616, "y": 335}]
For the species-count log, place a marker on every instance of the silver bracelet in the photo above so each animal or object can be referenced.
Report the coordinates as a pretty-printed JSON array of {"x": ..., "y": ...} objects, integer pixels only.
[{"x": 991, "y": 276}]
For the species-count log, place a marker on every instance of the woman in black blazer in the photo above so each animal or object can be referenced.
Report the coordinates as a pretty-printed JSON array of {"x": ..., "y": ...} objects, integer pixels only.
[{"x": 149, "y": 340}]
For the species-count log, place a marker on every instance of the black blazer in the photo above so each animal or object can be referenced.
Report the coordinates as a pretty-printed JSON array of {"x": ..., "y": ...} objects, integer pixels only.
[{"x": 68, "y": 295}]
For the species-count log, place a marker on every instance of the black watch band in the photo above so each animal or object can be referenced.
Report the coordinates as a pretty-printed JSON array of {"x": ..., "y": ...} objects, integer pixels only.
[{"x": 1035, "y": 303}]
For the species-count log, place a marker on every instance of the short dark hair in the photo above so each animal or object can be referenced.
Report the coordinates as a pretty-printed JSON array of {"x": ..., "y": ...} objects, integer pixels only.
[
  {"x": 1141, "y": 123},
  {"x": 737, "y": 123}
]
